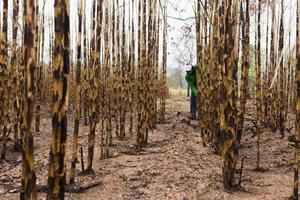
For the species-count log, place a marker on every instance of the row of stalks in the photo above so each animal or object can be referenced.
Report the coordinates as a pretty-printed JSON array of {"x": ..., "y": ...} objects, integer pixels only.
[
  {"x": 226, "y": 58},
  {"x": 113, "y": 78}
]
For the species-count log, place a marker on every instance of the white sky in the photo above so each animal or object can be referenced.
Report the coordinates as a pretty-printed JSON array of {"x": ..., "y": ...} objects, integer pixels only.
[{"x": 185, "y": 9}]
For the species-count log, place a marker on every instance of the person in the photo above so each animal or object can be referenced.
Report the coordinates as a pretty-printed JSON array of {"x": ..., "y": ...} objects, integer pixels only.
[{"x": 191, "y": 79}]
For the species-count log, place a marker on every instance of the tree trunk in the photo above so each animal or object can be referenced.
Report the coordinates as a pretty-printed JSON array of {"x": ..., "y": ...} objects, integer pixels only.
[
  {"x": 297, "y": 132},
  {"x": 92, "y": 94},
  {"x": 15, "y": 77},
  {"x": 28, "y": 174},
  {"x": 4, "y": 75},
  {"x": 258, "y": 83},
  {"x": 164, "y": 66},
  {"x": 245, "y": 66},
  {"x": 77, "y": 95},
  {"x": 57, "y": 170},
  {"x": 227, "y": 109}
]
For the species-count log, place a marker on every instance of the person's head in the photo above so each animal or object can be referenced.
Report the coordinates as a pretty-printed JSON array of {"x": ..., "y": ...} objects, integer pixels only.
[
  {"x": 188, "y": 69},
  {"x": 191, "y": 71}
]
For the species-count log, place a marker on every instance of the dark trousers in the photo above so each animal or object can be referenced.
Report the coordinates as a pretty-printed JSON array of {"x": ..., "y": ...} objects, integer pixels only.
[{"x": 193, "y": 106}]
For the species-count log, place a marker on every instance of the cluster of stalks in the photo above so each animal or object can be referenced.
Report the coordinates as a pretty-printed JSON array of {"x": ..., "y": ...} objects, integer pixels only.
[
  {"x": 112, "y": 78},
  {"x": 228, "y": 63}
]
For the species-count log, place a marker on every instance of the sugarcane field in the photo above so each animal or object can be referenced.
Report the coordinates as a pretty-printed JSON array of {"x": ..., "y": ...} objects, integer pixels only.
[{"x": 149, "y": 99}]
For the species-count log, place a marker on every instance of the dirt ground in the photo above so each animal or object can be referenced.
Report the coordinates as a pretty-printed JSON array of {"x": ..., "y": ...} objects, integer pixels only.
[{"x": 174, "y": 165}]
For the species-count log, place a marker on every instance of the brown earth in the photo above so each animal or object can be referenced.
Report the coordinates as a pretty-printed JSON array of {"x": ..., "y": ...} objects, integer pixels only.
[{"x": 174, "y": 165}]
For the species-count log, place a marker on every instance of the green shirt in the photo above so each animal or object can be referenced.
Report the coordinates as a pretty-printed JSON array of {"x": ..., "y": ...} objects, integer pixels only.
[{"x": 192, "y": 81}]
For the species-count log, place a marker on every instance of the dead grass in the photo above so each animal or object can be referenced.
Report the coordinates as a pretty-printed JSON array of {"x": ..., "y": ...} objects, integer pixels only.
[
  {"x": 177, "y": 101},
  {"x": 177, "y": 92}
]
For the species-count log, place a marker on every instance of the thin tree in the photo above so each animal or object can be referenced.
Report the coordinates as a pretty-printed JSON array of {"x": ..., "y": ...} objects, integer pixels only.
[
  {"x": 28, "y": 174},
  {"x": 142, "y": 115},
  {"x": 133, "y": 66},
  {"x": 258, "y": 82},
  {"x": 123, "y": 77},
  {"x": 266, "y": 92},
  {"x": 227, "y": 110},
  {"x": 93, "y": 94},
  {"x": 281, "y": 100},
  {"x": 57, "y": 169},
  {"x": 164, "y": 65},
  {"x": 15, "y": 76},
  {"x": 272, "y": 91},
  {"x": 77, "y": 94},
  {"x": 245, "y": 19},
  {"x": 37, "y": 39},
  {"x": 4, "y": 78},
  {"x": 297, "y": 132},
  {"x": 200, "y": 86}
]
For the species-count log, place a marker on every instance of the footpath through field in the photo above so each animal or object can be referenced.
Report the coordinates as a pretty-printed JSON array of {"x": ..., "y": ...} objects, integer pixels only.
[{"x": 174, "y": 165}]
